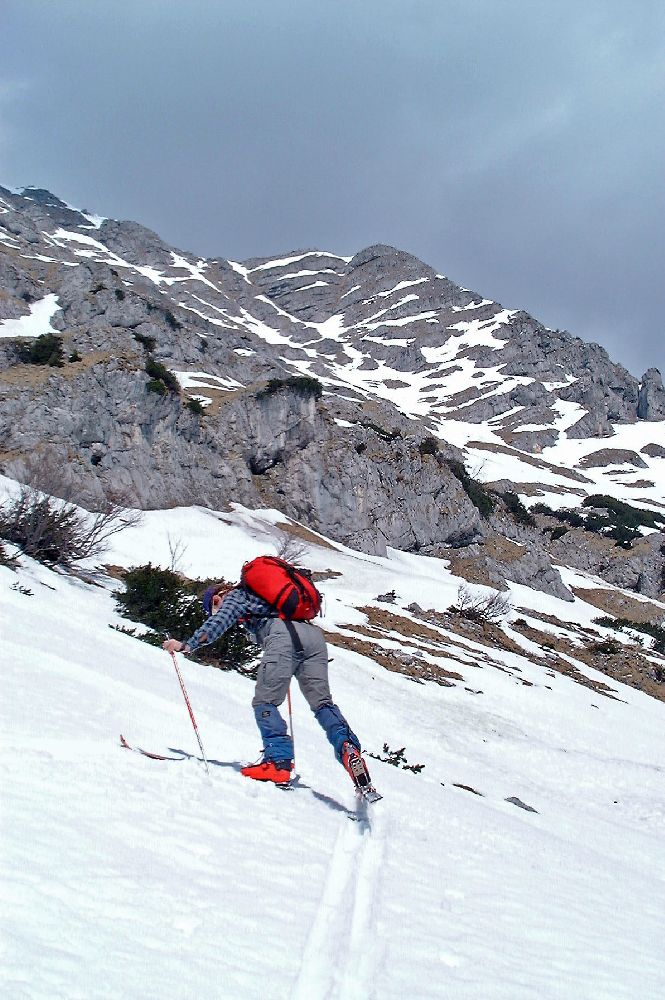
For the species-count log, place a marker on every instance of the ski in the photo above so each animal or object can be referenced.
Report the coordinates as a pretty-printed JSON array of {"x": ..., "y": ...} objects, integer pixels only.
[
  {"x": 147, "y": 753},
  {"x": 356, "y": 815},
  {"x": 368, "y": 794}
]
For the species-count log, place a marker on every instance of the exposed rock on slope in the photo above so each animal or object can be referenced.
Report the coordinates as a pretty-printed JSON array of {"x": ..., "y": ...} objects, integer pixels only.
[{"x": 344, "y": 391}]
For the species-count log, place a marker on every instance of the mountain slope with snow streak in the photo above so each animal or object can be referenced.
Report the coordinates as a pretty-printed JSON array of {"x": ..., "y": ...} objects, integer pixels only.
[
  {"x": 130, "y": 877},
  {"x": 378, "y": 326}
]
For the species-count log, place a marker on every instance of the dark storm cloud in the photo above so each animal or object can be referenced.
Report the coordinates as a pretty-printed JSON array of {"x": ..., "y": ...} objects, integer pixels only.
[{"x": 517, "y": 147}]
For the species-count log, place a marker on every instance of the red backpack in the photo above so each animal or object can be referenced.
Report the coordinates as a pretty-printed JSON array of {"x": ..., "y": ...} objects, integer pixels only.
[{"x": 288, "y": 589}]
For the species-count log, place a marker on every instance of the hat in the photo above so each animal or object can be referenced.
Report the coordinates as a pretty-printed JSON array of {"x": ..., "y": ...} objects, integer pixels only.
[{"x": 217, "y": 590}]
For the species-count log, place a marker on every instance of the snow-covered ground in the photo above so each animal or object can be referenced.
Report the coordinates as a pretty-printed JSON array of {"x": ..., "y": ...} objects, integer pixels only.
[{"x": 135, "y": 878}]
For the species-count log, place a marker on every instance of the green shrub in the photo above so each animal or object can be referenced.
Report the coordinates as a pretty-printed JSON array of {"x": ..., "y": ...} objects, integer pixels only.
[
  {"x": 156, "y": 385},
  {"x": 479, "y": 496},
  {"x": 397, "y": 758},
  {"x": 195, "y": 406},
  {"x": 517, "y": 510},
  {"x": 160, "y": 373},
  {"x": 624, "y": 514},
  {"x": 608, "y": 647},
  {"x": 623, "y": 536},
  {"x": 604, "y": 515},
  {"x": 429, "y": 446},
  {"x": 170, "y": 604},
  {"x": 558, "y": 532},
  {"x": 46, "y": 350},
  {"x": 656, "y": 632},
  {"x": 74, "y": 356},
  {"x": 146, "y": 341},
  {"x": 303, "y": 384}
]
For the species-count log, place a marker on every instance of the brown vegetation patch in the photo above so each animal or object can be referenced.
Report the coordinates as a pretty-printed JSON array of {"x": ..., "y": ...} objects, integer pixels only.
[
  {"x": 556, "y": 645},
  {"x": 380, "y": 622},
  {"x": 298, "y": 531},
  {"x": 537, "y": 463},
  {"x": 613, "y": 602},
  {"x": 473, "y": 566},
  {"x": 216, "y": 396},
  {"x": 625, "y": 664},
  {"x": 388, "y": 621},
  {"x": 391, "y": 660},
  {"x": 485, "y": 633},
  {"x": 539, "y": 489},
  {"x": 469, "y": 568},
  {"x": 35, "y": 375}
]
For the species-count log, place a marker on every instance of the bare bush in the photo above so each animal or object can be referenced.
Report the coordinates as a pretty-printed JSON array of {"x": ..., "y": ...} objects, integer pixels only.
[
  {"x": 290, "y": 547},
  {"x": 55, "y": 531},
  {"x": 481, "y": 606},
  {"x": 177, "y": 550}
]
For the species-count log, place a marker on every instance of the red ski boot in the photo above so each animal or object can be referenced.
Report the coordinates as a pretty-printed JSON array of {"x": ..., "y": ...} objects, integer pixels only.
[
  {"x": 355, "y": 766},
  {"x": 278, "y": 771}
]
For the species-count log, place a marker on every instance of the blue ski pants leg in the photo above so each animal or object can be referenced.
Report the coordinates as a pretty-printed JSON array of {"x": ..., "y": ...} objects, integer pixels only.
[
  {"x": 336, "y": 729},
  {"x": 277, "y": 745}
]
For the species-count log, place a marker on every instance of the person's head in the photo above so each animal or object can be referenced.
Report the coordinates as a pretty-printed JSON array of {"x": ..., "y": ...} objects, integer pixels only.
[{"x": 213, "y": 597}]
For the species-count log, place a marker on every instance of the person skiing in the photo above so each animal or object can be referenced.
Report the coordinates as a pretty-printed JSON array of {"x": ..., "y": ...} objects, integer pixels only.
[{"x": 290, "y": 649}]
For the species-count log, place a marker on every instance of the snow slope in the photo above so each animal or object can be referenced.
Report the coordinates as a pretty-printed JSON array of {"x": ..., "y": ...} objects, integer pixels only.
[{"x": 133, "y": 878}]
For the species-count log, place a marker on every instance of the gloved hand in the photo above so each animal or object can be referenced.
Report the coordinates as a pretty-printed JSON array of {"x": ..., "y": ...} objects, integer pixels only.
[{"x": 173, "y": 646}]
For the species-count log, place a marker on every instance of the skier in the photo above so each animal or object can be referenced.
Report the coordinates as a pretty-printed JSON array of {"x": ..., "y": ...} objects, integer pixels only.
[{"x": 290, "y": 649}]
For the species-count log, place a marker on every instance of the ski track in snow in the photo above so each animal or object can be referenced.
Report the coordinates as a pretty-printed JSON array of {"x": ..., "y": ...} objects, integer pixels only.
[{"x": 341, "y": 952}]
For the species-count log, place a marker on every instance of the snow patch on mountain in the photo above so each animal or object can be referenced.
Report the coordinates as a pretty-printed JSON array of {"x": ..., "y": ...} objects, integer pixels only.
[{"x": 36, "y": 323}]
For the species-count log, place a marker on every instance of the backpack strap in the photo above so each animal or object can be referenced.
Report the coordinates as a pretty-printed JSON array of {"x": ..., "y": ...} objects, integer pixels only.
[{"x": 295, "y": 639}]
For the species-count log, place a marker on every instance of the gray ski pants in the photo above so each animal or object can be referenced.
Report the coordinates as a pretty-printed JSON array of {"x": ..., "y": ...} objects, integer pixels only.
[{"x": 280, "y": 663}]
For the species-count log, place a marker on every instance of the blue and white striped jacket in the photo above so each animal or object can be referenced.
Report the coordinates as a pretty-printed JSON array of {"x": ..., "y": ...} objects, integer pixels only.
[{"x": 238, "y": 606}]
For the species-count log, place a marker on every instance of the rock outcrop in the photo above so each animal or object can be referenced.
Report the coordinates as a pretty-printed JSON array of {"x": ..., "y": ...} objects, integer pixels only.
[{"x": 334, "y": 389}]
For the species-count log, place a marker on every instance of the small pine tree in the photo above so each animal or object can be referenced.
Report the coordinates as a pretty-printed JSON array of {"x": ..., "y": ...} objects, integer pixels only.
[
  {"x": 46, "y": 350},
  {"x": 170, "y": 604}
]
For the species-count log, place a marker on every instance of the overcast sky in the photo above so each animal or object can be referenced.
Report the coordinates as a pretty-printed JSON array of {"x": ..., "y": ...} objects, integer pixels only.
[{"x": 517, "y": 147}]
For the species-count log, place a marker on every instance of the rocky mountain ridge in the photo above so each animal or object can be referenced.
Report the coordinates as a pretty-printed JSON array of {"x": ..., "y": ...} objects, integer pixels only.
[{"x": 368, "y": 397}]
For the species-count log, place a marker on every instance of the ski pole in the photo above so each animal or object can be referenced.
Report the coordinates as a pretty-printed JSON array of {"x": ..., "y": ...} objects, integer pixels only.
[
  {"x": 288, "y": 698},
  {"x": 189, "y": 709}
]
